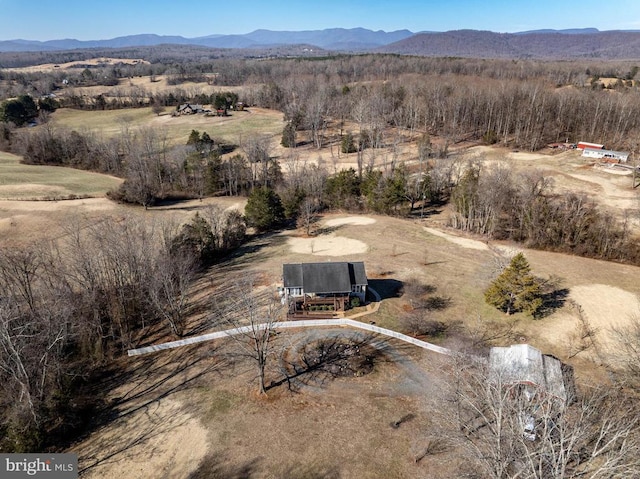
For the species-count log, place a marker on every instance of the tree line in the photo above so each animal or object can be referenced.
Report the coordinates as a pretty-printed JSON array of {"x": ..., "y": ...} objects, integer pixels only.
[
  {"x": 499, "y": 203},
  {"x": 71, "y": 304},
  {"x": 492, "y": 201},
  {"x": 524, "y": 104}
]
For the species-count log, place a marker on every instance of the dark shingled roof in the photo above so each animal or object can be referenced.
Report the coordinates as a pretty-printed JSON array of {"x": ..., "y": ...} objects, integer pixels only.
[{"x": 324, "y": 278}]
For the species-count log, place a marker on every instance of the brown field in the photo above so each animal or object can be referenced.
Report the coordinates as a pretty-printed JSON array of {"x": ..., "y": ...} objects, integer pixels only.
[
  {"x": 160, "y": 85},
  {"x": 192, "y": 412},
  {"x": 23, "y": 182},
  {"x": 102, "y": 61},
  {"x": 340, "y": 427},
  {"x": 232, "y": 128}
]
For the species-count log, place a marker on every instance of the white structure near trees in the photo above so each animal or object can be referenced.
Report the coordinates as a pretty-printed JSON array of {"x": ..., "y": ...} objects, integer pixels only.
[
  {"x": 522, "y": 365},
  {"x": 606, "y": 154}
]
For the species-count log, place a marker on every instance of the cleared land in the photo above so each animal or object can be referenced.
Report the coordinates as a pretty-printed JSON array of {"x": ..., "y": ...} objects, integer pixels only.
[
  {"x": 341, "y": 427},
  {"x": 18, "y": 181},
  {"x": 233, "y": 128},
  {"x": 79, "y": 64}
]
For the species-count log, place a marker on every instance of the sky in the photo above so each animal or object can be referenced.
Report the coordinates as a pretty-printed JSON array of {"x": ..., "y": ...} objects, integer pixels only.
[{"x": 105, "y": 19}]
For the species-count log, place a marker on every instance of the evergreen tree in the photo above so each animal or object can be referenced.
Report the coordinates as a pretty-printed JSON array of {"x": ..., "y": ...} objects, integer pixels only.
[
  {"x": 194, "y": 137},
  {"x": 516, "y": 289},
  {"x": 264, "y": 209},
  {"x": 288, "y": 136},
  {"x": 343, "y": 189},
  {"x": 19, "y": 111},
  {"x": 197, "y": 240},
  {"x": 348, "y": 145}
]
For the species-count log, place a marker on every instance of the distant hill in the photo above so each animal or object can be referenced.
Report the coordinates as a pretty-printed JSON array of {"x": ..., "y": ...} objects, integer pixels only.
[
  {"x": 543, "y": 45},
  {"x": 333, "y": 38},
  {"x": 576, "y": 43},
  {"x": 567, "y": 31}
]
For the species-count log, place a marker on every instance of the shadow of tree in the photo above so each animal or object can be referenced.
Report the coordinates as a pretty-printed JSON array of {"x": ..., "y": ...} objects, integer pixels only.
[
  {"x": 143, "y": 384},
  {"x": 552, "y": 301},
  {"x": 216, "y": 467},
  {"x": 326, "y": 230},
  {"x": 317, "y": 360},
  {"x": 387, "y": 288}
]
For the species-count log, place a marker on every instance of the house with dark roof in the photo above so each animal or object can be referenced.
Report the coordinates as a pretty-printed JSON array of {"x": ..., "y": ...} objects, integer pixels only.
[
  {"x": 189, "y": 109},
  {"x": 330, "y": 286}
]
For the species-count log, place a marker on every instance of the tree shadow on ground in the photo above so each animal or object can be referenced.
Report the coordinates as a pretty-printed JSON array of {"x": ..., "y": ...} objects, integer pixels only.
[
  {"x": 387, "y": 288},
  {"x": 253, "y": 251},
  {"x": 143, "y": 383},
  {"x": 326, "y": 230},
  {"x": 318, "y": 360},
  {"x": 418, "y": 213},
  {"x": 552, "y": 301},
  {"x": 216, "y": 467}
]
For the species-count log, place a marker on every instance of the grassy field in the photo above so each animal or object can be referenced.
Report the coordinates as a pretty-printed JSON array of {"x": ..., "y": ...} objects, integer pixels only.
[
  {"x": 18, "y": 181},
  {"x": 231, "y": 129}
]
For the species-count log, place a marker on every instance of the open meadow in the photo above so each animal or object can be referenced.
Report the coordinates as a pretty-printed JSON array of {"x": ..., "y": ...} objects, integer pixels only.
[
  {"x": 25, "y": 182},
  {"x": 232, "y": 129}
]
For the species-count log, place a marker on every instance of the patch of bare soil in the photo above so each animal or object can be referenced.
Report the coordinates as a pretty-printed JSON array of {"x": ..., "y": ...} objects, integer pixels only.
[
  {"x": 330, "y": 244},
  {"x": 606, "y": 308},
  {"x": 350, "y": 220},
  {"x": 327, "y": 245},
  {"x": 458, "y": 240},
  {"x": 158, "y": 440}
]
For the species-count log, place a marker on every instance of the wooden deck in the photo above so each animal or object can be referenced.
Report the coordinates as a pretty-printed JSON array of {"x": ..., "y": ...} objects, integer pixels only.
[{"x": 318, "y": 308}]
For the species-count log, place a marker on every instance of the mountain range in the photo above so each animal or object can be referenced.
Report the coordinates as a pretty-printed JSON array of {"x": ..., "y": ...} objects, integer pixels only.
[
  {"x": 355, "y": 39},
  {"x": 543, "y": 44}
]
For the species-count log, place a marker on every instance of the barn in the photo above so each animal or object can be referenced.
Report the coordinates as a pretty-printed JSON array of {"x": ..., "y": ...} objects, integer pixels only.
[{"x": 585, "y": 144}]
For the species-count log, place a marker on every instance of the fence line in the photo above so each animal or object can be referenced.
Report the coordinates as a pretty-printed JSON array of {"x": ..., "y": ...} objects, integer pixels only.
[{"x": 310, "y": 323}]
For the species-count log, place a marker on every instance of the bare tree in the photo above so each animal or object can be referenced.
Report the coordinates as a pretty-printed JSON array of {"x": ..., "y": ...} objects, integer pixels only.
[
  {"x": 512, "y": 430},
  {"x": 257, "y": 149},
  {"x": 252, "y": 312},
  {"x": 627, "y": 357},
  {"x": 307, "y": 216},
  {"x": 169, "y": 287}
]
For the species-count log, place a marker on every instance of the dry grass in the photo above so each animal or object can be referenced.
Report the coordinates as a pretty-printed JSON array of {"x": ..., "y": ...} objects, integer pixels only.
[
  {"x": 333, "y": 428},
  {"x": 18, "y": 181},
  {"x": 340, "y": 428},
  {"x": 80, "y": 64},
  {"x": 232, "y": 129}
]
